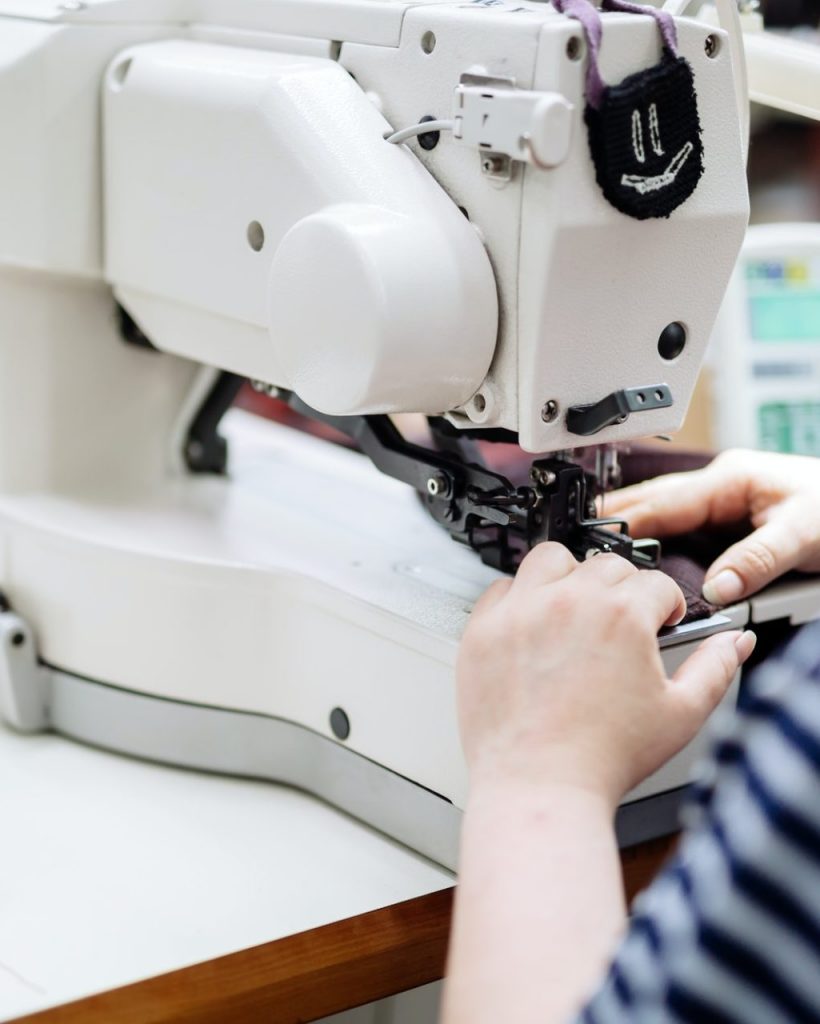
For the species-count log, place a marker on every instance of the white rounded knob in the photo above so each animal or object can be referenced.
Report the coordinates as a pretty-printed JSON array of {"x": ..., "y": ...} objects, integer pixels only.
[{"x": 377, "y": 311}]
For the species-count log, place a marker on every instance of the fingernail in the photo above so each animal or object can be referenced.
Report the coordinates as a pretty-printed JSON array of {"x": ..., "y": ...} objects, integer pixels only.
[
  {"x": 745, "y": 644},
  {"x": 726, "y": 587}
]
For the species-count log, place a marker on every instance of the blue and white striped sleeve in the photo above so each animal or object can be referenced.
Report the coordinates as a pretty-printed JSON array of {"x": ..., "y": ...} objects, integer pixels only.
[{"x": 729, "y": 933}]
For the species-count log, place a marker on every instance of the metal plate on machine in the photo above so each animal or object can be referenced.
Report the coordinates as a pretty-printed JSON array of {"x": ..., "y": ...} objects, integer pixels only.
[
  {"x": 798, "y": 602},
  {"x": 698, "y": 630}
]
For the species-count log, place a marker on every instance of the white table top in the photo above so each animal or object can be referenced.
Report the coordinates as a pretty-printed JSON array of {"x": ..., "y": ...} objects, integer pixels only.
[{"x": 113, "y": 870}]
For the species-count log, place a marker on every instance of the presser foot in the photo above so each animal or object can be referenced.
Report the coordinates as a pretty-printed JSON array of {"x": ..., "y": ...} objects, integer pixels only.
[{"x": 559, "y": 505}]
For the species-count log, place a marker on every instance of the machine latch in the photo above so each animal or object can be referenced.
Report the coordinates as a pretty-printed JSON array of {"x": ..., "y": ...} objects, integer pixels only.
[
  {"x": 491, "y": 115},
  {"x": 616, "y": 408},
  {"x": 25, "y": 684}
]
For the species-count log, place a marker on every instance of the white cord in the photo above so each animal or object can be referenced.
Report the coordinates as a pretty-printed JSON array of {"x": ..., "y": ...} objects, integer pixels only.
[{"x": 419, "y": 129}]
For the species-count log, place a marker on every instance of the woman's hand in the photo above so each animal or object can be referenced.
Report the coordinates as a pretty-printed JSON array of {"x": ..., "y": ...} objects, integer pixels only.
[
  {"x": 564, "y": 706},
  {"x": 560, "y": 679},
  {"x": 779, "y": 494}
]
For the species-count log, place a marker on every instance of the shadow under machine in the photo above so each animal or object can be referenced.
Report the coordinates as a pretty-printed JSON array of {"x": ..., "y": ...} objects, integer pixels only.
[{"x": 445, "y": 209}]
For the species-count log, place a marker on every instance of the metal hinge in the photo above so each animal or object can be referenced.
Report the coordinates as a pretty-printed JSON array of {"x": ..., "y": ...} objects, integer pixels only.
[{"x": 25, "y": 684}]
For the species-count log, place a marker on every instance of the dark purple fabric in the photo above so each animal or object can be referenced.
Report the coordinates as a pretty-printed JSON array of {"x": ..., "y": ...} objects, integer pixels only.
[
  {"x": 686, "y": 558},
  {"x": 689, "y": 576},
  {"x": 643, "y": 463}
]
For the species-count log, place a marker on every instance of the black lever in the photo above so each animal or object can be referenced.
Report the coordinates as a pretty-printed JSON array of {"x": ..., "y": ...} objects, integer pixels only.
[{"x": 615, "y": 408}]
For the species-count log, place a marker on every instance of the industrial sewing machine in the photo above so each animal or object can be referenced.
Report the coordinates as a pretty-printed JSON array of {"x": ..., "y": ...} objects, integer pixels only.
[{"x": 367, "y": 207}]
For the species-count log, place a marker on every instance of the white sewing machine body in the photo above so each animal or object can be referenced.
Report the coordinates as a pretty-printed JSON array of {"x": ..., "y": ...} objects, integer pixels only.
[
  {"x": 220, "y": 626},
  {"x": 238, "y": 201},
  {"x": 217, "y": 117}
]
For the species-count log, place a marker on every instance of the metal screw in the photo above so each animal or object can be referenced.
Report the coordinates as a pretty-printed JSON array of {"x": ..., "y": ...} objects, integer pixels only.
[
  {"x": 550, "y": 411},
  {"x": 437, "y": 485},
  {"x": 492, "y": 165},
  {"x": 255, "y": 234},
  {"x": 544, "y": 477},
  {"x": 195, "y": 450},
  {"x": 711, "y": 46},
  {"x": 271, "y": 390}
]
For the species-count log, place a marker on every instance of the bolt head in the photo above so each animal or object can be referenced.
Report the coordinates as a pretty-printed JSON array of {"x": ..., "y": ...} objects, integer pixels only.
[
  {"x": 493, "y": 165},
  {"x": 549, "y": 412},
  {"x": 436, "y": 485}
]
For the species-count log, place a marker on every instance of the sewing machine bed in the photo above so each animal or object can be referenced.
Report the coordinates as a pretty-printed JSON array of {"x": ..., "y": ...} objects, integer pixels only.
[{"x": 297, "y": 621}]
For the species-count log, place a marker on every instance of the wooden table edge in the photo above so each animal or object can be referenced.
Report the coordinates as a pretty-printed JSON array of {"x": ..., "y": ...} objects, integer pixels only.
[{"x": 312, "y": 974}]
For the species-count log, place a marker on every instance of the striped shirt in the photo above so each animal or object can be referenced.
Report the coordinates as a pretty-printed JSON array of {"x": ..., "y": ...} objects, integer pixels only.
[{"x": 729, "y": 933}]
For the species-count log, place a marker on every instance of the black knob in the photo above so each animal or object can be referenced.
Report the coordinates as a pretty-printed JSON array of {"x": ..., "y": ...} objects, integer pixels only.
[
  {"x": 428, "y": 140},
  {"x": 672, "y": 340},
  {"x": 339, "y": 723}
]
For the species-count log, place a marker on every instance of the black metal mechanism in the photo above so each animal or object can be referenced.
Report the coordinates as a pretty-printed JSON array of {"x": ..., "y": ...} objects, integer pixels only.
[
  {"x": 484, "y": 509},
  {"x": 585, "y": 420},
  {"x": 206, "y": 451},
  {"x": 476, "y": 505},
  {"x": 131, "y": 331}
]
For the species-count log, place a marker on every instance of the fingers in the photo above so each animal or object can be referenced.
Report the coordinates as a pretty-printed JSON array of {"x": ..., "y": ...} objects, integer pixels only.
[
  {"x": 758, "y": 559},
  {"x": 658, "y": 596},
  {"x": 655, "y": 593},
  {"x": 551, "y": 562},
  {"x": 546, "y": 563},
  {"x": 665, "y": 506},
  {"x": 492, "y": 595},
  {"x": 606, "y": 569},
  {"x": 701, "y": 682},
  {"x": 669, "y": 505}
]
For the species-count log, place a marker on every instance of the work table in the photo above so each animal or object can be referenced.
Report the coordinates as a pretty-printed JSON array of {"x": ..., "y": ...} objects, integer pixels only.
[{"x": 134, "y": 892}]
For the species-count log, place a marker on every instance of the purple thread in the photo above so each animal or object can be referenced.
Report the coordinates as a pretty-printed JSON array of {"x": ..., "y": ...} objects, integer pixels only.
[
  {"x": 584, "y": 12},
  {"x": 666, "y": 23}
]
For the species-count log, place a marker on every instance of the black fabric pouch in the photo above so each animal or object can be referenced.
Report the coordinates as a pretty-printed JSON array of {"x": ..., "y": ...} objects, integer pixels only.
[{"x": 645, "y": 140}]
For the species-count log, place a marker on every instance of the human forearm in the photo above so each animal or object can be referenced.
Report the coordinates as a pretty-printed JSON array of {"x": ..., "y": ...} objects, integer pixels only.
[
  {"x": 564, "y": 706},
  {"x": 539, "y": 905}
]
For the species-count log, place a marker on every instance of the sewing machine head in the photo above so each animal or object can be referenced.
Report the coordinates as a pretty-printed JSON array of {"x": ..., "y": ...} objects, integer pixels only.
[{"x": 260, "y": 217}]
